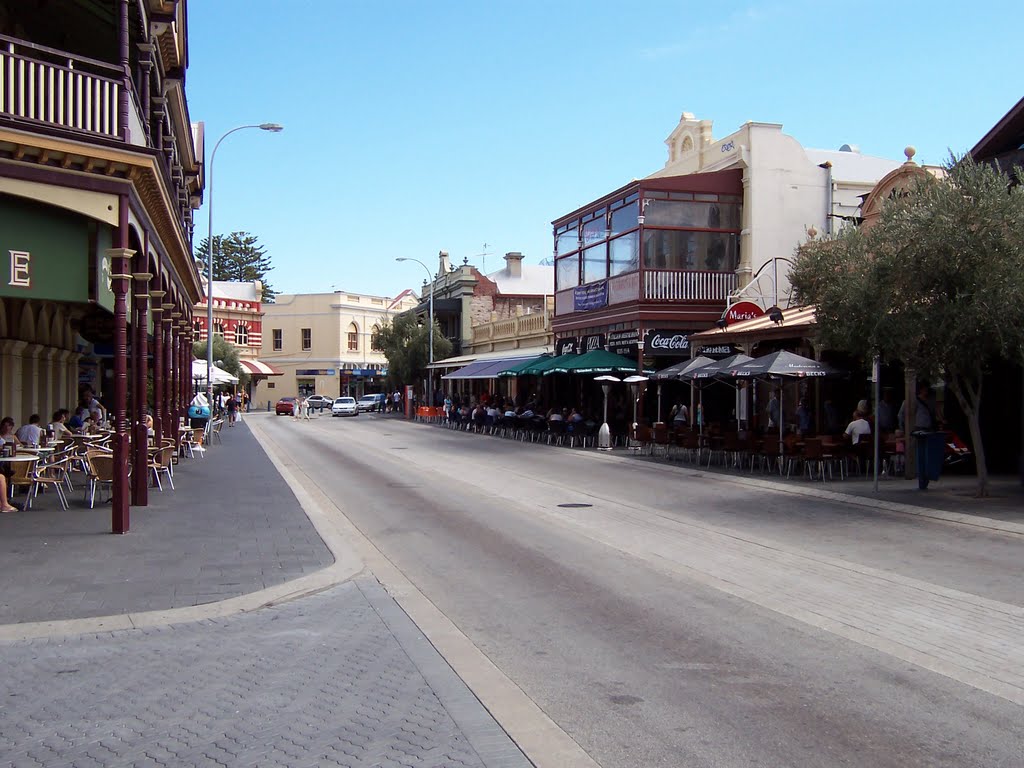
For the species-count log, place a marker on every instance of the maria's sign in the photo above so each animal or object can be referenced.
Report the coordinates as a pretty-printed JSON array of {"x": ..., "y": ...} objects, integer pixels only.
[{"x": 743, "y": 310}]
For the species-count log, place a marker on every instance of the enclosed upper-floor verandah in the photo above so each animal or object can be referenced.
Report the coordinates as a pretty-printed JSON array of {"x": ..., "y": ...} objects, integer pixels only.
[{"x": 654, "y": 240}]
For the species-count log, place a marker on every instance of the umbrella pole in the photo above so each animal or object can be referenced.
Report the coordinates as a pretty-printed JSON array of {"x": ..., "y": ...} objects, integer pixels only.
[{"x": 659, "y": 403}]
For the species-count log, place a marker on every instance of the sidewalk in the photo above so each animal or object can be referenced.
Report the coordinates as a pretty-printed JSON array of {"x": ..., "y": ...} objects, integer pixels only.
[{"x": 180, "y": 643}]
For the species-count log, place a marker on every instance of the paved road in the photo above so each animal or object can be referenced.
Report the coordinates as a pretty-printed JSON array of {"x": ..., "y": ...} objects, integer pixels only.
[{"x": 685, "y": 621}]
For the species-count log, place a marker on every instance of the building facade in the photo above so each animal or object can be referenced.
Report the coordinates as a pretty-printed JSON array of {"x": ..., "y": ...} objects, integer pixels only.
[
  {"x": 100, "y": 172},
  {"x": 325, "y": 343},
  {"x": 639, "y": 269},
  {"x": 237, "y": 316}
]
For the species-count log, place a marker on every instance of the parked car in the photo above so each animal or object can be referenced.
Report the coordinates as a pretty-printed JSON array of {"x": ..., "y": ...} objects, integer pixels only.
[
  {"x": 319, "y": 402},
  {"x": 344, "y": 406},
  {"x": 372, "y": 402},
  {"x": 285, "y": 406}
]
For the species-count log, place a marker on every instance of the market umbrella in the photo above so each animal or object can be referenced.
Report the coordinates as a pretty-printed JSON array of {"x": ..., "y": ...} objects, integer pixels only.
[
  {"x": 673, "y": 372},
  {"x": 537, "y": 367},
  {"x": 782, "y": 365},
  {"x": 520, "y": 368},
  {"x": 594, "y": 361},
  {"x": 708, "y": 374},
  {"x": 219, "y": 375}
]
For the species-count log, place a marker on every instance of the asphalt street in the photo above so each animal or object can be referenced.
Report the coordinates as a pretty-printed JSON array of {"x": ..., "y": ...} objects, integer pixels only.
[{"x": 678, "y": 619}]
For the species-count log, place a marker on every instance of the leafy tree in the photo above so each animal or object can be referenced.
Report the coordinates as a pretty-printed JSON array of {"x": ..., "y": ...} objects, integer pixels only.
[
  {"x": 238, "y": 257},
  {"x": 406, "y": 345},
  {"x": 936, "y": 282},
  {"x": 225, "y": 356}
]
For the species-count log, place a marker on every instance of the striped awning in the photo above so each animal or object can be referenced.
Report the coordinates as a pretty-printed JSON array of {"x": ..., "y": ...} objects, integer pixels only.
[{"x": 259, "y": 368}]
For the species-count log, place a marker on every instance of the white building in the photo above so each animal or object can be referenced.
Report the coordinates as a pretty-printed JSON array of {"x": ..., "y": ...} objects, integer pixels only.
[{"x": 787, "y": 190}]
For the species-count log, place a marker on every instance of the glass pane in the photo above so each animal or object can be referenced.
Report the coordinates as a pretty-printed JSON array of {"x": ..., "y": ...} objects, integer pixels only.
[
  {"x": 678, "y": 213},
  {"x": 625, "y": 254},
  {"x": 624, "y": 219},
  {"x": 595, "y": 263},
  {"x": 567, "y": 272},
  {"x": 594, "y": 231},
  {"x": 712, "y": 251},
  {"x": 567, "y": 242}
]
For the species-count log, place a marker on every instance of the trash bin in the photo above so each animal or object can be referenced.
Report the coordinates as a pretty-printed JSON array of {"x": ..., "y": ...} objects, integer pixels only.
[{"x": 931, "y": 451}]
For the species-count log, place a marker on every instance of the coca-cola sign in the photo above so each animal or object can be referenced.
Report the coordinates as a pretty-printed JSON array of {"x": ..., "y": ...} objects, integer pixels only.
[{"x": 663, "y": 342}]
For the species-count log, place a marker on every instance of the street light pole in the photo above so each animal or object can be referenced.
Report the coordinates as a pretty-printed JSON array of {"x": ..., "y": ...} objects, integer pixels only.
[
  {"x": 273, "y": 128},
  {"x": 430, "y": 359}
]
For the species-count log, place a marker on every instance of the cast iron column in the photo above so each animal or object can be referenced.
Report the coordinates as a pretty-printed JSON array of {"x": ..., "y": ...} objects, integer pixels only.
[
  {"x": 169, "y": 425},
  {"x": 158, "y": 364},
  {"x": 120, "y": 279},
  {"x": 140, "y": 356}
]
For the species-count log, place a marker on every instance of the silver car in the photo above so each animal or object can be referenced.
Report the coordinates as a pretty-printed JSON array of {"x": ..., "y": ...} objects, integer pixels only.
[{"x": 344, "y": 406}]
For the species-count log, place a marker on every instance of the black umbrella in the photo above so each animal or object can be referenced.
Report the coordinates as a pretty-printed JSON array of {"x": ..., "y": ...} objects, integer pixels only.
[
  {"x": 677, "y": 371},
  {"x": 707, "y": 374},
  {"x": 781, "y": 364}
]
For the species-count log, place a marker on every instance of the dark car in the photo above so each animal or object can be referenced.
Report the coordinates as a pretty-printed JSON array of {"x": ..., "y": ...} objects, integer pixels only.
[
  {"x": 285, "y": 406},
  {"x": 319, "y": 402}
]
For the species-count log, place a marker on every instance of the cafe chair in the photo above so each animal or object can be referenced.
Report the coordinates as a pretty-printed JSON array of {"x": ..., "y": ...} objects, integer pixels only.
[
  {"x": 160, "y": 464},
  {"x": 52, "y": 475},
  {"x": 24, "y": 476},
  {"x": 100, "y": 473}
]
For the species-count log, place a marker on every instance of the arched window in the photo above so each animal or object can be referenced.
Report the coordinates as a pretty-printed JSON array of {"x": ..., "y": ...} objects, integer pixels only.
[
  {"x": 218, "y": 329},
  {"x": 353, "y": 337},
  {"x": 375, "y": 339},
  {"x": 242, "y": 335},
  {"x": 198, "y": 329}
]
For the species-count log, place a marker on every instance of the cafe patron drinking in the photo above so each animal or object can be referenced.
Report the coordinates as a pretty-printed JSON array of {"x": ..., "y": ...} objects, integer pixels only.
[{"x": 100, "y": 172}]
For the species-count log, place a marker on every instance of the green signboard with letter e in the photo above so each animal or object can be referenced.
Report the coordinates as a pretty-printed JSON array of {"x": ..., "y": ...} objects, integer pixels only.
[{"x": 44, "y": 252}]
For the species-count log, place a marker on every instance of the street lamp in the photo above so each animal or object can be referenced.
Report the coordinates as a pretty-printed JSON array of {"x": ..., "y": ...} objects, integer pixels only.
[
  {"x": 273, "y": 128},
  {"x": 430, "y": 375}
]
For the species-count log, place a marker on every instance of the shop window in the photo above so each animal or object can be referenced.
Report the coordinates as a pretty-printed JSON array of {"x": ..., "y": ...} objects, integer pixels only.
[
  {"x": 681, "y": 250},
  {"x": 307, "y": 339},
  {"x": 624, "y": 254},
  {"x": 278, "y": 340}
]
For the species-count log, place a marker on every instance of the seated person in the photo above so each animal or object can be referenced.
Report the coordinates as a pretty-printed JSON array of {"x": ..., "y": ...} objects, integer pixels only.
[
  {"x": 31, "y": 433},
  {"x": 7, "y": 431},
  {"x": 5, "y": 505},
  {"x": 76, "y": 422},
  {"x": 149, "y": 425},
  {"x": 858, "y": 428},
  {"x": 575, "y": 417},
  {"x": 60, "y": 429},
  {"x": 555, "y": 415}
]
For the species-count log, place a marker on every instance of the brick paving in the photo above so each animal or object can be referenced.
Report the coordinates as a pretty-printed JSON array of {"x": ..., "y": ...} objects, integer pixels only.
[
  {"x": 231, "y": 526},
  {"x": 341, "y": 678}
]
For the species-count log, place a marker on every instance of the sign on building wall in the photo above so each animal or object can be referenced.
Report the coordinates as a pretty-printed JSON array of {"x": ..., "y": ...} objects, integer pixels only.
[
  {"x": 665, "y": 342},
  {"x": 592, "y": 342},
  {"x": 592, "y": 296},
  {"x": 743, "y": 310},
  {"x": 568, "y": 346},
  {"x": 45, "y": 252},
  {"x": 623, "y": 342}
]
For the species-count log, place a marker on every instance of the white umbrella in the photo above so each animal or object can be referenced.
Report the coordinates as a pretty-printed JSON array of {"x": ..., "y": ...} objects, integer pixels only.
[{"x": 219, "y": 375}]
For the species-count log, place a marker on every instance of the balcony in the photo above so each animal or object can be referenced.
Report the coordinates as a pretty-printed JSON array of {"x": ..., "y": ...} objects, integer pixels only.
[
  {"x": 47, "y": 87},
  {"x": 661, "y": 285},
  {"x": 513, "y": 332}
]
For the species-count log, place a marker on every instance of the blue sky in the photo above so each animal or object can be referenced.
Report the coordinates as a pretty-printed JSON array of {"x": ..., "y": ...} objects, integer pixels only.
[{"x": 412, "y": 127}]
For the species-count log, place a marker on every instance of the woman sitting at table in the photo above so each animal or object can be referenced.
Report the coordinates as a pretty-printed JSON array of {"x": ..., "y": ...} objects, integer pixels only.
[
  {"x": 149, "y": 425},
  {"x": 7, "y": 431},
  {"x": 5, "y": 505},
  {"x": 60, "y": 429}
]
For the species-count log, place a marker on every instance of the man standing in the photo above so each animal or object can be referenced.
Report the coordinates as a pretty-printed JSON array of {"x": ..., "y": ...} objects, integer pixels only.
[{"x": 925, "y": 423}]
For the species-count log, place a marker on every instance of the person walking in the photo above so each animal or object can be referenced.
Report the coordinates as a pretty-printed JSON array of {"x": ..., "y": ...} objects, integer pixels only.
[{"x": 232, "y": 411}]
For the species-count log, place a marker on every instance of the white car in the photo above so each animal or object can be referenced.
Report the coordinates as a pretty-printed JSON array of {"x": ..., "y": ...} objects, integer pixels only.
[{"x": 344, "y": 406}]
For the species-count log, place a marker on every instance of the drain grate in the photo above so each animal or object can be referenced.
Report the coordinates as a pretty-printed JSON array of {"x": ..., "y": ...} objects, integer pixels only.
[
  {"x": 399, "y": 448},
  {"x": 574, "y": 505}
]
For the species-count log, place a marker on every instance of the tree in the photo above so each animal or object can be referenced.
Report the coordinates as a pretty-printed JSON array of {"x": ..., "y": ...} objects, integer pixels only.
[
  {"x": 239, "y": 257},
  {"x": 225, "y": 356},
  {"x": 936, "y": 282},
  {"x": 405, "y": 343}
]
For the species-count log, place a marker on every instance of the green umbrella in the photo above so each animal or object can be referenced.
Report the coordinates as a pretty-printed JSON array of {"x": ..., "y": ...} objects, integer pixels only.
[
  {"x": 594, "y": 361},
  {"x": 520, "y": 368},
  {"x": 539, "y": 366}
]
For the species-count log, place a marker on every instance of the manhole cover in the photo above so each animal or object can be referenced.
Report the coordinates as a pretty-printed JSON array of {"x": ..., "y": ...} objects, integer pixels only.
[
  {"x": 399, "y": 448},
  {"x": 574, "y": 506}
]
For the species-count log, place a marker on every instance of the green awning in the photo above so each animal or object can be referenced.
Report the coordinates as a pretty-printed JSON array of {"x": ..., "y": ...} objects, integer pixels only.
[
  {"x": 595, "y": 361},
  {"x": 520, "y": 368}
]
